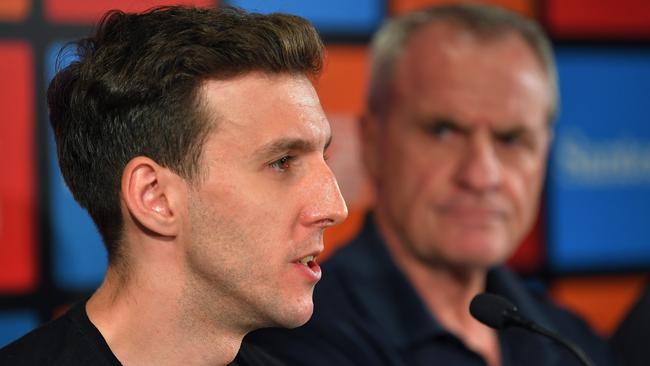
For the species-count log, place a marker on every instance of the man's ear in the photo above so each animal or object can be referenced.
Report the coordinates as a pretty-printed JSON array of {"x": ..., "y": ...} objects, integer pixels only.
[
  {"x": 371, "y": 144},
  {"x": 152, "y": 195}
]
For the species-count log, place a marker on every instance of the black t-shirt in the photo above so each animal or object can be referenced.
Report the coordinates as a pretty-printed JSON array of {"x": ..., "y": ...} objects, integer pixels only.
[
  {"x": 73, "y": 340},
  {"x": 251, "y": 355}
]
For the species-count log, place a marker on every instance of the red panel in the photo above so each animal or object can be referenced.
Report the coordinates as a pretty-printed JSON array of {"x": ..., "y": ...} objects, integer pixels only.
[
  {"x": 90, "y": 11},
  {"x": 17, "y": 190},
  {"x": 599, "y": 19},
  {"x": 14, "y": 10}
]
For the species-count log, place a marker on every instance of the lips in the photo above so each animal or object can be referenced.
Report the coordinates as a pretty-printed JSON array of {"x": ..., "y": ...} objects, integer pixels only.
[
  {"x": 476, "y": 212},
  {"x": 310, "y": 262},
  {"x": 476, "y": 209},
  {"x": 307, "y": 259},
  {"x": 309, "y": 267},
  {"x": 473, "y": 215}
]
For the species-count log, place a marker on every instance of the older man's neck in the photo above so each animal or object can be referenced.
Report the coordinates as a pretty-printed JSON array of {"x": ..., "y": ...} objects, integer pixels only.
[{"x": 447, "y": 293}]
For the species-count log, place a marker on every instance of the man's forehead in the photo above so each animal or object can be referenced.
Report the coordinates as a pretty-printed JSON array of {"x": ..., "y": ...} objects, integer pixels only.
[
  {"x": 257, "y": 109},
  {"x": 443, "y": 34},
  {"x": 255, "y": 82},
  {"x": 255, "y": 91},
  {"x": 448, "y": 43},
  {"x": 501, "y": 75}
]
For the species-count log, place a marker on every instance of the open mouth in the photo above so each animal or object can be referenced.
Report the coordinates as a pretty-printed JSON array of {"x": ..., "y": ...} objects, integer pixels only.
[{"x": 308, "y": 261}]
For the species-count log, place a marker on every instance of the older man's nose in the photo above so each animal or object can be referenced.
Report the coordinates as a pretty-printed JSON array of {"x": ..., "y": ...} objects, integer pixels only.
[{"x": 480, "y": 169}]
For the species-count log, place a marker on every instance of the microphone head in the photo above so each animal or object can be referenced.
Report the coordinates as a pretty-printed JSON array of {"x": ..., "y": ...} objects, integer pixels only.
[{"x": 492, "y": 310}]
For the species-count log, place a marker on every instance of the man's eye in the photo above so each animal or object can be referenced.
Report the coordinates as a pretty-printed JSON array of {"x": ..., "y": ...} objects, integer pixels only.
[
  {"x": 510, "y": 138},
  {"x": 282, "y": 164},
  {"x": 440, "y": 129}
]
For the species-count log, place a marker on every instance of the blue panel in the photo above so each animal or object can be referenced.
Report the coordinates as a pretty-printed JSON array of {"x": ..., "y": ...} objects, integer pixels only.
[
  {"x": 333, "y": 17},
  {"x": 79, "y": 257},
  {"x": 599, "y": 182},
  {"x": 14, "y": 324}
]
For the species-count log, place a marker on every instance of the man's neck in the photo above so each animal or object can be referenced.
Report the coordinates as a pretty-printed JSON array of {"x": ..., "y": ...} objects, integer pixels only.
[
  {"x": 145, "y": 322},
  {"x": 447, "y": 293}
]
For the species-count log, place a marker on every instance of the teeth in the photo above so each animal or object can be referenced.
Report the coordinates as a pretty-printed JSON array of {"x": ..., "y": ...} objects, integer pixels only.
[{"x": 307, "y": 259}]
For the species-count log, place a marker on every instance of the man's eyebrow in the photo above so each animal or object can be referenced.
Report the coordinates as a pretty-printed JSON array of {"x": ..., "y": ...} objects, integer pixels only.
[
  {"x": 511, "y": 131},
  {"x": 288, "y": 144},
  {"x": 451, "y": 123},
  {"x": 442, "y": 121}
]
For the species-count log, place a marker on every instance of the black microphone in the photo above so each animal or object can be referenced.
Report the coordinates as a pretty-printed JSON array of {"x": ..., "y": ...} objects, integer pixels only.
[{"x": 498, "y": 313}]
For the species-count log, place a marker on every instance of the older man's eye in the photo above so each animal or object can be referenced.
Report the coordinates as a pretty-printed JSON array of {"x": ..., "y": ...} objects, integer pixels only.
[
  {"x": 441, "y": 129},
  {"x": 282, "y": 164},
  {"x": 511, "y": 138}
]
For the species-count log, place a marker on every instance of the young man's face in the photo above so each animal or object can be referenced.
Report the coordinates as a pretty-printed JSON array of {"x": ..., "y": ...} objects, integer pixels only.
[
  {"x": 462, "y": 150},
  {"x": 257, "y": 217}
]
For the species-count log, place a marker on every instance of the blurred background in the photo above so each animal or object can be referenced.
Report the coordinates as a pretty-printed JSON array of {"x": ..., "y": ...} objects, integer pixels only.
[{"x": 590, "y": 247}]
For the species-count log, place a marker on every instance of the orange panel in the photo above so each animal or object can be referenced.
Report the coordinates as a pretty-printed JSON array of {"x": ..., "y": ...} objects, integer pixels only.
[
  {"x": 342, "y": 86},
  {"x": 346, "y": 163},
  {"x": 525, "y": 7},
  {"x": 599, "y": 19},
  {"x": 601, "y": 300},
  {"x": 337, "y": 236},
  {"x": 345, "y": 159},
  {"x": 17, "y": 191},
  {"x": 14, "y": 10},
  {"x": 85, "y": 11}
]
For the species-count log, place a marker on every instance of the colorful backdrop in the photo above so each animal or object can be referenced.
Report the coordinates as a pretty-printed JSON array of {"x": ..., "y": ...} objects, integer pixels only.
[{"x": 589, "y": 248}]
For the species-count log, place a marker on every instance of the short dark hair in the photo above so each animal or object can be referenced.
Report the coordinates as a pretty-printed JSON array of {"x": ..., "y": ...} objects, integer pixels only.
[
  {"x": 483, "y": 21},
  {"x": 134, "y": 91}
]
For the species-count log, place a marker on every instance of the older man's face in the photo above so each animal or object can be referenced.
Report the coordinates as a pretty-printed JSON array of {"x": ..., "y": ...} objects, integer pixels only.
[
  {"x": 257, "y": 219},
  {"x": 460, "y": 157}
]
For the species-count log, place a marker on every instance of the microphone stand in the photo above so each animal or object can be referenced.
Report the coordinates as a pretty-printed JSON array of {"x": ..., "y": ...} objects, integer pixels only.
[{"x": 515, "y": 320}]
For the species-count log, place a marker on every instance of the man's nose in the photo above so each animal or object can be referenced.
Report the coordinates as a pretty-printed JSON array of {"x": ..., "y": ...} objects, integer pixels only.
[
  {"x": 480, "y": 168},
  {"x": 327, "y": 206}
]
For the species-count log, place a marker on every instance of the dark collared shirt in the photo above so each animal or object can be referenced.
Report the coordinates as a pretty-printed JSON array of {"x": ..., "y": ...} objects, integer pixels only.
[
  {"x": 633, "y": 335},
  {"x": 367, "y": 313}
]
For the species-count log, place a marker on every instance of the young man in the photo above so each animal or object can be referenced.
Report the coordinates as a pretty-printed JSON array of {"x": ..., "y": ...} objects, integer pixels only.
[
  {"x": 195, "y": 140},
  {"x": 456, "y": 140}
]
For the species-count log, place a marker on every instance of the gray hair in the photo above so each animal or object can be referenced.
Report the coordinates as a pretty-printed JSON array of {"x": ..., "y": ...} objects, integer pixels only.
[{"x": 480, "y": 20}]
